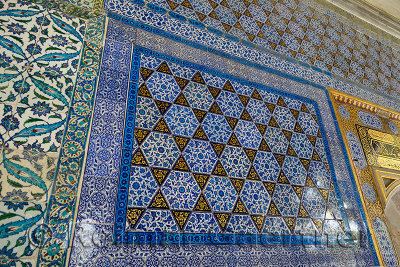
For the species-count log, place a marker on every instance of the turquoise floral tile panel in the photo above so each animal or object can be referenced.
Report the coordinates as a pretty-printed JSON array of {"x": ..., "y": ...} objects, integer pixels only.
[
  {"x": 39, "y": 54},
  {"x": 40, "y": 49},
  {"x": 23, "y": 239}
]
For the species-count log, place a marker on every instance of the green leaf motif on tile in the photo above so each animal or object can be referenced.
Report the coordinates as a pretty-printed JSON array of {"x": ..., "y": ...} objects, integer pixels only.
[
  {"x": 37, "y": 194},
  {"x": 7, "y": 216},
  {"x": 20, "y": 142},
  {"x": 30, "y": 120},
  {"x": 71, "y": 47},
  {"x": 58, "y": 106},
  {"x": 57, "y": 30},
  {"x": 49, "y": 90},
  {"x": 19, "y": 39},
  {"x": 24, "y": 174},
  {"x": 24, "y": 20},
  {"x": 17, "y": 58},
  {"x": 40, "y": 96},
  {"x": 57, "y": 116},
  {"x": 52, "y": 48},
  {"x": 14, "y": 184},
  {"x": 33, "y": 208},
  {"x": 20, "y": 241}
]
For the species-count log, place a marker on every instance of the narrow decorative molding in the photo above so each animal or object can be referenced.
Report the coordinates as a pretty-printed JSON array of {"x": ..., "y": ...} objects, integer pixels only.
[{"x": 366, "y": 105}]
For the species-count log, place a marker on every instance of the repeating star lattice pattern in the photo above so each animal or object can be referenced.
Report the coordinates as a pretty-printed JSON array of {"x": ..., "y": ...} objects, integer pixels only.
[{"x": 217, "y": 156}]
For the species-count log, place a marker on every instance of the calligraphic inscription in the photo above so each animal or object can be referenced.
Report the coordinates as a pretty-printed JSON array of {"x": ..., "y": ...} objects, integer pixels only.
[{"x": 381, "y": 149}]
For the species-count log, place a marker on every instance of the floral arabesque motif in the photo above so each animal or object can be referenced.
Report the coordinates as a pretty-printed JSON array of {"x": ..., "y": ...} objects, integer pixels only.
[
  {"x": 38, "y": 61},
  {"x": 59, "y": 213},
  {"x": 39, "y": 55}
]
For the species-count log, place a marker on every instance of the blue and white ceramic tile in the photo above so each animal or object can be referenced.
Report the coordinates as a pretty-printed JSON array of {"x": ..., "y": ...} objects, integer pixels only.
[
  {"x": 182, "y": 166},
  {"x": 39, "y": 60},
  {"x": 180, "y": 148},
  {"x": 369, "y": 120},
  {"x": 139, "y": 14},
  {"x": 369, "y": 192},
  {"x": 97, "y": 200},
  {"x": 385, "y": 245},
  {"x": 356, "y": 150},
  {"x": 103, "y": 156},
  {"x": 344, "y": 112}
]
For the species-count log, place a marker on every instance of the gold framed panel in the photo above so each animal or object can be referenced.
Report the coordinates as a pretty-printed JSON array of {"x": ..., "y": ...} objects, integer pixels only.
[{"x": 380, "y": 148}]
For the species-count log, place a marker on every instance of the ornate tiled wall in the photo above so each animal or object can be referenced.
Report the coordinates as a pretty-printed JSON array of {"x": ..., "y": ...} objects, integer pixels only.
[
  {"x": 39, "y": 59},
  {"x": 355, "y": 122},
  {"x": 234, "y": 196},
  {"x": 187, "y": 133},
  {"x": 300, "y": 30}
]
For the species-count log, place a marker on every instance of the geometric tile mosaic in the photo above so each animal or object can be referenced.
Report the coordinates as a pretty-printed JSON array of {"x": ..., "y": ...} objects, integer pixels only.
[
  {"x": 215, "y": 155},
  {"x": 98, "y": 205},
  {"x": 302, "y": 31}
]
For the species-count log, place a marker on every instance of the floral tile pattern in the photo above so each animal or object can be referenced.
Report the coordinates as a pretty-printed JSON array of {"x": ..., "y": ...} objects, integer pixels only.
[
  {"x": 39, "y": 54},
  {"x": 302, "y": 30},
  {"x": 197, "y": 151},
  {"x": 39, "y": 59},
  {"x": 60, "y": 211}
]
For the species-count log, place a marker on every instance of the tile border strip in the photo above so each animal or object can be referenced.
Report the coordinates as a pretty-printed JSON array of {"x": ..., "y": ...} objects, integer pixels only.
[{"x": 61, "y": 207}]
